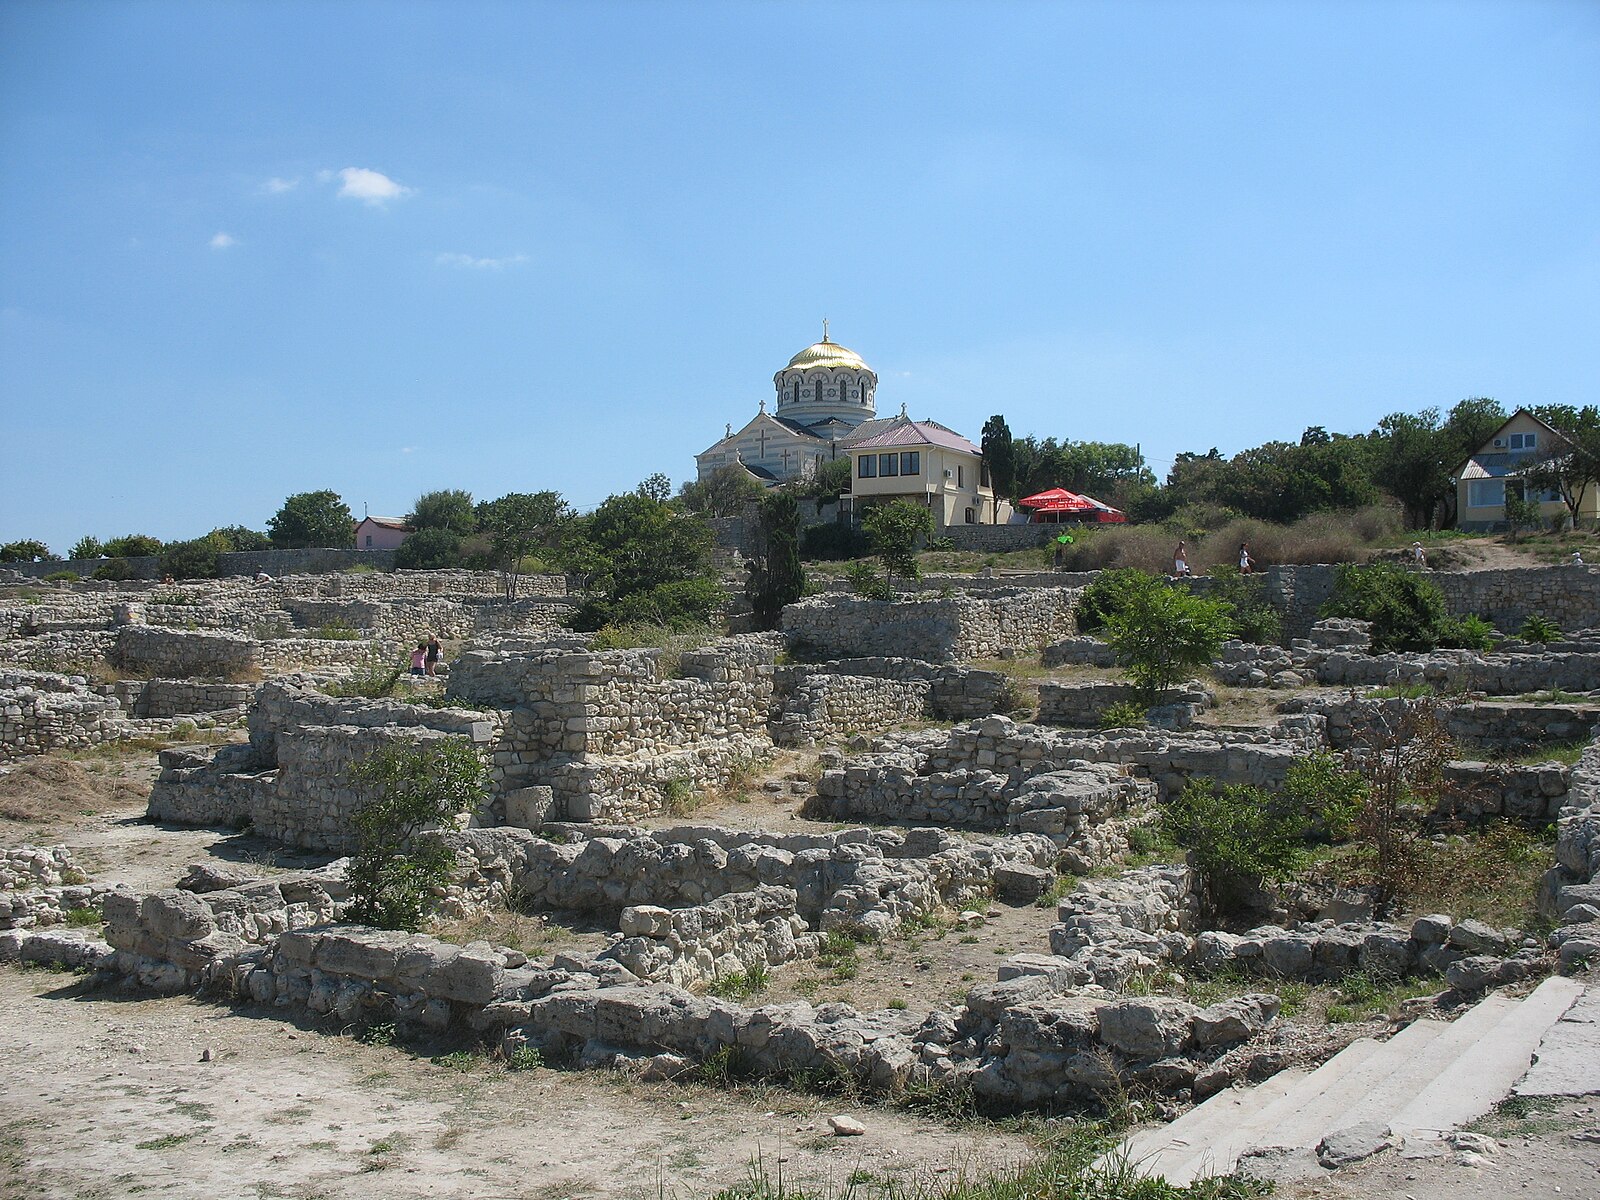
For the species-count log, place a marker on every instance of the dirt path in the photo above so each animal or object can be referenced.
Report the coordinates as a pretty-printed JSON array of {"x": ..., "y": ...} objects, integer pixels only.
[{"x": 106, "y": 1095}]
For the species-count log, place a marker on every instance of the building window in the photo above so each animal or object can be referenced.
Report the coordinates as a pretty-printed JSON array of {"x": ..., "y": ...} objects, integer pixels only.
[
  {"x": 1523, "y": 441},
  {"x": 983, "y": 474},
  {"x": 888, "y": 464},
  {"x": 961, "y": 480},
  {"x": 369, "y": 541},
  {"x": 867, "y": 466},
  {"x": 911, "y": 462},
  {"x": 1486, "y": 493},
  {"x": 970, "y": 521},
  {"x": 797, "y": 391}
]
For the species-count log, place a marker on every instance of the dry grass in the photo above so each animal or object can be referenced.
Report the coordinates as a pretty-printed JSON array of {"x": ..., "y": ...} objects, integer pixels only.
[{"x": 535, "y": 934}]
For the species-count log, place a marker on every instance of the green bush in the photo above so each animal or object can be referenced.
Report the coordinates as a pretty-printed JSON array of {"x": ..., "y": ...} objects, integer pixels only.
[
  {"x": 115, "y": 569},
  {"x": 1108, "y": 594},
  {"x": 1254, "y": 619},
  {"x": 194, "y": 559},
  {"x": 396, "y": 870},
  {"x": 1470, "y": 632},
  {"x": 1538, "y": 629},
  {"x": 62, "y": 577},
  {"x": 1124, "y": 714},
  {"x": 1163, "y": 634},
  {"x": 431, "y": 549},
  {"x": 835, "y": 541},
  {"x": 1239, "y": 838},
  {"x": 1407, "y": 610},
  {"x": 865, "y": 582},
  {"x": 685, "y": 604}
]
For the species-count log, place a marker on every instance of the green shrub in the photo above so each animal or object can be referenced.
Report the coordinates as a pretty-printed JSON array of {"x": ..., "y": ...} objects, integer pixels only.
[
  {"x": 194, "y": 559},
  {"x": 1470, "y": 632},
  {"x": 115, "y": 569},
  {"x": 83, "y": 916},
  {"x": 396, "y": 870},
  {"x": 740, "y": 984},
  {"x": 336, "y": 631},
  {"x": 1163, "y": 634},
  {"x": 1406, "y": 609},
  {"x": 684, "y": 604},
  {"x": 1254, "y": 619},
  {"x": 62, "y": 577},
  {"x": 431, "y": 549},
  {"x": 1239, "y": 839},
  {"x": 1124, "y": 714},
  {"x": 1538, "y": 629},
  {"x": 376, "y": 680},
  {"x": 1107, "y": 595},
  {"x": 834, "y": 542},
  {"x": 865, "y": 582},
  {"x": 525, "y": 1058},
  {"x": 1329, "y": 796}
]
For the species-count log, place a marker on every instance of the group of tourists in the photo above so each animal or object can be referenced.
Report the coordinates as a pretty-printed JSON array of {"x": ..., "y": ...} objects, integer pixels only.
[
  {"x": 1180, "y": 560},
  {"x": 425, "y": 658}
]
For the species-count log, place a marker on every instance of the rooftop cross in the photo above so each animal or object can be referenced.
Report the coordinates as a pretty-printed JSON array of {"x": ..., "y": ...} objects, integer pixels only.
[{"x": 824, "y": 328}]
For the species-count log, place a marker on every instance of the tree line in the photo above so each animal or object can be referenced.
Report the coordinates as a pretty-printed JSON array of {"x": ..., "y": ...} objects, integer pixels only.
[{"x": 1411, "y": 458}]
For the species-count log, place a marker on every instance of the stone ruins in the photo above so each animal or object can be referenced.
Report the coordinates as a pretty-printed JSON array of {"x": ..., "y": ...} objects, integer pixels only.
[{"x": 942, "y": 786}]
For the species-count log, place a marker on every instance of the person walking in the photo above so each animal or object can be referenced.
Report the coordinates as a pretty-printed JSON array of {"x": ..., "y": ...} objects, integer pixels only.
[
  {"x": 1180, "y": 561},
  {"x": 1246, "y": 563},
  {"x": 435, "y": 653},
  {"x": 419, "y": 659}
]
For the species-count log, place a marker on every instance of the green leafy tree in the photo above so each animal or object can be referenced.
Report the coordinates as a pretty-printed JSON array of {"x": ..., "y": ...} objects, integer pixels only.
[
  {"x": 87, "y": 546},
  {"x": 778, "y": 577},
  {"x": 895, "y": 532},
  {"x": 638, "y": 552},
  {"x": 308, "y": 519},
  {"x": 452, "y": 510},
  {"x": 134, "y": 545},
  {"x": 1164, "y": 634},
  {"x": 241, "y": 540},
  {"x": 1407, "y": 610},
  {"x": 518, "y": 525},
  {"x": 1413, "y": 460},
  {"x": 432, "y": 549},
  {"x": 829, "y": 481},
  {"x": 1521, "y": 512},
  {"x": 656, "y": 487},
  {"x": 397, "y": 868},
  {"x": 1571, "y": 467},
  {"x": 193, "y": 559},
  {"x": 724, "y": 494},
  {"x": 28, "y": 550},
  {"x": 999, "y": 451},
  {"x": 1111, "y": 592},
  {"x": 114, "y": 569}
]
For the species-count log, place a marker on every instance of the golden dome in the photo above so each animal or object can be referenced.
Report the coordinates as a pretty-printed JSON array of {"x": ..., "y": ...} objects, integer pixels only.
[{"x": 827, "y": 354}]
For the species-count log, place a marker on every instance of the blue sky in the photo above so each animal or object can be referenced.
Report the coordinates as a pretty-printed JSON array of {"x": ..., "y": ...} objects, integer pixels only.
[{"x": 254, "y": 249}]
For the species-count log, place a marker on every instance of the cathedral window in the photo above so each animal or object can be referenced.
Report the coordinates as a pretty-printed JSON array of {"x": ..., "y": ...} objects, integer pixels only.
[{"x": 797, "y": 391}]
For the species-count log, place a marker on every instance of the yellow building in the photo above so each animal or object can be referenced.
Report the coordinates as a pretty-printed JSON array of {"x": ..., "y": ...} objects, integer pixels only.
[
  {"x": 926, "y": 463},
  {"x": 1499, "y": 466}
]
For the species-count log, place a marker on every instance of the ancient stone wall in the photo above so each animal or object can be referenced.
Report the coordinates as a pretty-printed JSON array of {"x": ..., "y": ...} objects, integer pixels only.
[
  {"x": 941, "y": 629},
  {"x": 40, "y": 711},
  {"x": 181, "y": 654}
]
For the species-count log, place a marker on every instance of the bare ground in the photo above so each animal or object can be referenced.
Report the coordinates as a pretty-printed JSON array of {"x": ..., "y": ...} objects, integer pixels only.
[{"x": 105, "y": 1094}]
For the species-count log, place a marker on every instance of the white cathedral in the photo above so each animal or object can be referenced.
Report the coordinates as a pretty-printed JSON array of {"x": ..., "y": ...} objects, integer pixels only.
[{"x": 825, "y": 394}]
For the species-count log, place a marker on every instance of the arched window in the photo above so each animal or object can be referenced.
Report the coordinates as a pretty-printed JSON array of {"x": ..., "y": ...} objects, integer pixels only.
[{"x": 797, "y": 389}]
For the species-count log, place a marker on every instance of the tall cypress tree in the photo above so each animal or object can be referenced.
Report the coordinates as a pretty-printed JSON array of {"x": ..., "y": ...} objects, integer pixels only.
[
  {"x": 1000, "y": 454},
  {"x": 781, "y": 579}
]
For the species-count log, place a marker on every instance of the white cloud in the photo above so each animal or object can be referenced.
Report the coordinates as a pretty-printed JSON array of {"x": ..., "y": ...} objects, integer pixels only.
[
  {"x": 221, "y": 241},
  {"x": 276, "y": 186},
  {"x": 408, "y": 449},
  {"x": 470, "y": 263},
  {"x": 373, "y": 187}
]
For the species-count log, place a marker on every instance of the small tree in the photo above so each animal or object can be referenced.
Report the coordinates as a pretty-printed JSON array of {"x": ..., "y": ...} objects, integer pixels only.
[
  {"x": 28, "y": 551},
  {"x": 133, "y": 545},
  {"x": 1162, "y": 635},
  {"x": 779, "y": 578},
  {"x": 725, "y": 494},
  {"x": 452, "y": 510},
  {"x": 1521, "y": 512},
  {"x": 87, "y": 546},
  {"x": 520, "y": 524},
  {"x": 313, "y": 519},
  {"x": 240, "y": 539},
  {"x": 396, "y": 868},
  {"x": 114, "y": 569},
  {"x": 896, "y": 531},
  {"x": 194, "y": 559}
]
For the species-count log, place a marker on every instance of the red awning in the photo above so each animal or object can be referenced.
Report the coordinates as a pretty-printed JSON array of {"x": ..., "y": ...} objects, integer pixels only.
[{"x": 1055, "y": 500}]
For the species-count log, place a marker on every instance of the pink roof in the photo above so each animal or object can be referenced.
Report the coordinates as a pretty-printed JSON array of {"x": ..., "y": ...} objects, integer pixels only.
[{"x": 906, "y": 432}]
